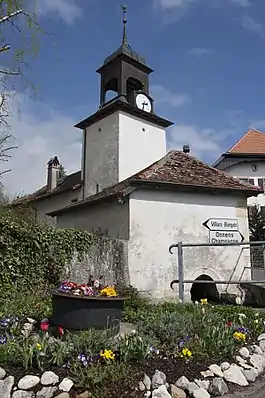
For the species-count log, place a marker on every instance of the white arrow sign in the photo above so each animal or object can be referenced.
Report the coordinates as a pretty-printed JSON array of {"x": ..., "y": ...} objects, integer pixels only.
[
  {"x": 221, "y": 224},
  {"x": 225, "y": 237}
]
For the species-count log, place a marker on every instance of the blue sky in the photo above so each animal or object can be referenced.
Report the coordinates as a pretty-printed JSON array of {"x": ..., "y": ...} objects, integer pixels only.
[{"x": 208, "y": 58}]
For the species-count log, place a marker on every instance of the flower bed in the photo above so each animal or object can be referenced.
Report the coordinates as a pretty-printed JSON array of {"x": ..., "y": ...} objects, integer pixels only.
[{"x": 177, "y": 349}]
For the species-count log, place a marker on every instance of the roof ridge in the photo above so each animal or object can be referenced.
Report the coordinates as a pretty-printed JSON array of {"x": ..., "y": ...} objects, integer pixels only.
[{"x": 251, "y": 130}]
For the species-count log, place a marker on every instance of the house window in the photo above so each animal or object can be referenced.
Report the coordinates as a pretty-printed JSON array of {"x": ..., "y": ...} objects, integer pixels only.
[
  {"x": 257, "y": 181},
  {"x": 261, "y": 183}
]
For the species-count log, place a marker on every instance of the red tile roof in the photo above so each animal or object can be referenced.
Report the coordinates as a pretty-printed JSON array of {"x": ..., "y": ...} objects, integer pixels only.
[
  {"x": 253, "y": 142},
  {"x": 176, "y": 170},
  {"x": 70, "y": 182}
]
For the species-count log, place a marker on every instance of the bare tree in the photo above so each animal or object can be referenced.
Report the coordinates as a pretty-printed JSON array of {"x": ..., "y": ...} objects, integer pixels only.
[{"x": 18, "y": 28}]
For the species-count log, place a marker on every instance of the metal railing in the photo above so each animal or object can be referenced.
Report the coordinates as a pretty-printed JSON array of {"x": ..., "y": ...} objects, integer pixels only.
[{"x": 180, "y": 260}]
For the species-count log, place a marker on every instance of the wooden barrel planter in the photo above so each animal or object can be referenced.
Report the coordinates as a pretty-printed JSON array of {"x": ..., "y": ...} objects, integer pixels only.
[{"x": 84, "y": 312}]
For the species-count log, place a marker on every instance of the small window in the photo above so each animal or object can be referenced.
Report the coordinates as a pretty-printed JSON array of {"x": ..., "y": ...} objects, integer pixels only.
[
  {"x": 245, "y": 180},
  {"x": 261, "y": 183},
  {"x": 97, "y": 188},
  {"x": 251, "y": 181}
]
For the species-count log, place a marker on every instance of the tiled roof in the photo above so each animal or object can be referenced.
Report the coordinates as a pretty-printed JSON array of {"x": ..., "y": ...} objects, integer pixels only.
[
  {"x": 253, "y": 142},
  {"x": 70, "y": 182},
  {"x": 177, "y": 170}
]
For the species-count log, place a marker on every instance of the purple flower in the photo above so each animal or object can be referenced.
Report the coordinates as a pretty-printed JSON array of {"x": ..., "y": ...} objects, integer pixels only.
[
  {"x": 3, "y": 339},
  {"x": 242, "y": 330}
]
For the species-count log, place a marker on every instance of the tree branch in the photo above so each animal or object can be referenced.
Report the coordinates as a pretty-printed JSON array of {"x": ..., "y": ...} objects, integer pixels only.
[{"x": 12, "y": 15}]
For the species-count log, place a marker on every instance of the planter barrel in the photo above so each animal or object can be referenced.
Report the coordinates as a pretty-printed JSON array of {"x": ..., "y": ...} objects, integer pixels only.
[{"x": 83, "y": 312}]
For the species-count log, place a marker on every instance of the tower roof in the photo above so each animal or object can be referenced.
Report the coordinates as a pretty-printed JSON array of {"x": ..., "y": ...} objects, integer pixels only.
[
  {"x": 125, "y": 48},
  {"x": 253, "y": 142}
]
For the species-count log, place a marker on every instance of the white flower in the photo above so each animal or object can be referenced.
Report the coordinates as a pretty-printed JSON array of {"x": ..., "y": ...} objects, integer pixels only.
[
  {"x": 203, "y": 310},
  {"x": 238, "y": 300},
  {"x": 197, "y": 302},
  {"x": 242, "y": 315}
]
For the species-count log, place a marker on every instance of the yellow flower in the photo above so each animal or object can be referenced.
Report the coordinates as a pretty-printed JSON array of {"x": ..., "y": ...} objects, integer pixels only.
[
  {"x": 108, "y": 291},
  {"x": 107, "y": 354},
  {"x": 240, "y": 336},
  {"x": 204, "y": 301},
  {"x": 38, "y": 346},
  {"x": 186, "y": 353}
]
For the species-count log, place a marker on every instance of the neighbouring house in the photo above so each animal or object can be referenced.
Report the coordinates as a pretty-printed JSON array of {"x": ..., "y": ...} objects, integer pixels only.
[
  {"x": 246, "y": 161},
  {"x": 130, "y": 188}
]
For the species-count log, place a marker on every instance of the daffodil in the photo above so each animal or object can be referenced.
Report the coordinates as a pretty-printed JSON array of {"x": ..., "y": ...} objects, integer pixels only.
[
  {"x": 204, "y": 301},
  {"x": 38, "y": 346}
]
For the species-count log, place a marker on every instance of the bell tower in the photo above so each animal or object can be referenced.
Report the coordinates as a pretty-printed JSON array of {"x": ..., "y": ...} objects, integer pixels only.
[
  {"x": 124, "y": 71},
  {"x": 124, "y": 135}
]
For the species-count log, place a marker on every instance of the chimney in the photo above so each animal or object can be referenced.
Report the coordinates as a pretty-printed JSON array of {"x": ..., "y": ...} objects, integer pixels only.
[
  {"x": 53, "y": 169},
  {"x": 186, "y": 148}
]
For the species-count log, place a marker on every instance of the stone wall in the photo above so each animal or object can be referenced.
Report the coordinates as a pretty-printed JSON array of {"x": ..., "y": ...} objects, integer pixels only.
[{"x": 107, "y": 257}]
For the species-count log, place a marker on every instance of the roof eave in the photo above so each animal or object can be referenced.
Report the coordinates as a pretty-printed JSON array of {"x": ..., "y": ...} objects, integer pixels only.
[
  {"x": 189, "y": 187},
  {"x": 122, "y": 106}
]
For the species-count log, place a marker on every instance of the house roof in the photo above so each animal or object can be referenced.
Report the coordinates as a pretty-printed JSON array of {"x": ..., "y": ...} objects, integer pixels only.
[
  {"x": 70, "y": 182},
  {"x": 176, "y": 170},
  {"x": 253, "y": 142}
]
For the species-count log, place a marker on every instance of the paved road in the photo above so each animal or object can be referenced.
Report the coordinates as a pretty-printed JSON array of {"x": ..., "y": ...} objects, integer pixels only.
[{"x": 255, "y": 391}]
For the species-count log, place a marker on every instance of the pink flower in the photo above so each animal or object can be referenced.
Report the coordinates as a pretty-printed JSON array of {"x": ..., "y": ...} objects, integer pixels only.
[
  {"x": 44, "y": 326},
  {"x": 60, "y": 330}
]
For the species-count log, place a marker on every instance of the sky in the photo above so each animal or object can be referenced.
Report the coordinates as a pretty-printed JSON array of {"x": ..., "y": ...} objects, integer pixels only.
[{"x": 208, "y": 58}]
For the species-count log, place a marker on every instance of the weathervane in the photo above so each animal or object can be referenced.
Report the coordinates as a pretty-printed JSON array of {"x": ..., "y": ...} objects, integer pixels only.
[{"x": 124, "y": 36}]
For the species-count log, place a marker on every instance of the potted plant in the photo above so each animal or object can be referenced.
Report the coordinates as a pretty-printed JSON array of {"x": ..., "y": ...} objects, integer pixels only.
[{"x": 89, "y": 305}]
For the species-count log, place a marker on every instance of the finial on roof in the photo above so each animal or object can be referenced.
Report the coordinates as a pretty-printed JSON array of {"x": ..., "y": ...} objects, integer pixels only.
[{"x": 124, "y": 36}]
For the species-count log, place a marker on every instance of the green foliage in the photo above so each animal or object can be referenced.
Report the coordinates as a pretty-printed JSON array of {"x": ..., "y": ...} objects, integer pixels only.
[
  {"x": 133, "y": 303},
  {"x": 90, "y": 342},
  {"x": 97, "y": 378},
  {"x": 42, "y": 351},
  {"x": 256, "y": 223},
  {"x": 133, "y": 348},
  {"x": 32, "y": 253},
  {"x": 27, "y": 303}
]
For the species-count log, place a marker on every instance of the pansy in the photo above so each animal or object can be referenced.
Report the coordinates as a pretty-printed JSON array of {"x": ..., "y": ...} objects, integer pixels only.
[{"x": 3, "y": 339}]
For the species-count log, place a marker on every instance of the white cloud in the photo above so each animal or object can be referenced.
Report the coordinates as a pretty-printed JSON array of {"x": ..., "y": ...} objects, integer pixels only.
[
  {"x": 203, "y": 142},
  {"x": 41, "y": 133},
  {"x": 199, "y": 52},
  {"x": 253, "y": 26},
  {"x": 257, "y": 124},
  {"x": 169, "y": 4},
  {"x": 68, "y": 10},
  {"x": 163, "y": 96},
  {"x": 182, "y": 4}
]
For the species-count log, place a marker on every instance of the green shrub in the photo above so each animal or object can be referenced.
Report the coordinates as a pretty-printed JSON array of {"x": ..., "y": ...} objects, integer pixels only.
[
  {"x": 32, "y": 253},
  {"x": 97, "y": 378}
]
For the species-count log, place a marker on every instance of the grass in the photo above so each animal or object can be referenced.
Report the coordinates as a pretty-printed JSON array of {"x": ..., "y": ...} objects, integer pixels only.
[{"x": 190, "y": 337}]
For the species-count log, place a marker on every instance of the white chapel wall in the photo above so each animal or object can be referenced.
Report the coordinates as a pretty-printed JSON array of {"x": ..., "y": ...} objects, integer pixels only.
[
  {"x": 159, "y": 219},
  {"x": 140, "y": 144}
]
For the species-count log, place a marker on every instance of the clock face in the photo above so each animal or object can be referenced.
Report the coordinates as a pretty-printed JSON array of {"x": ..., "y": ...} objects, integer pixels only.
[{"x": 143, "y": 103}]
